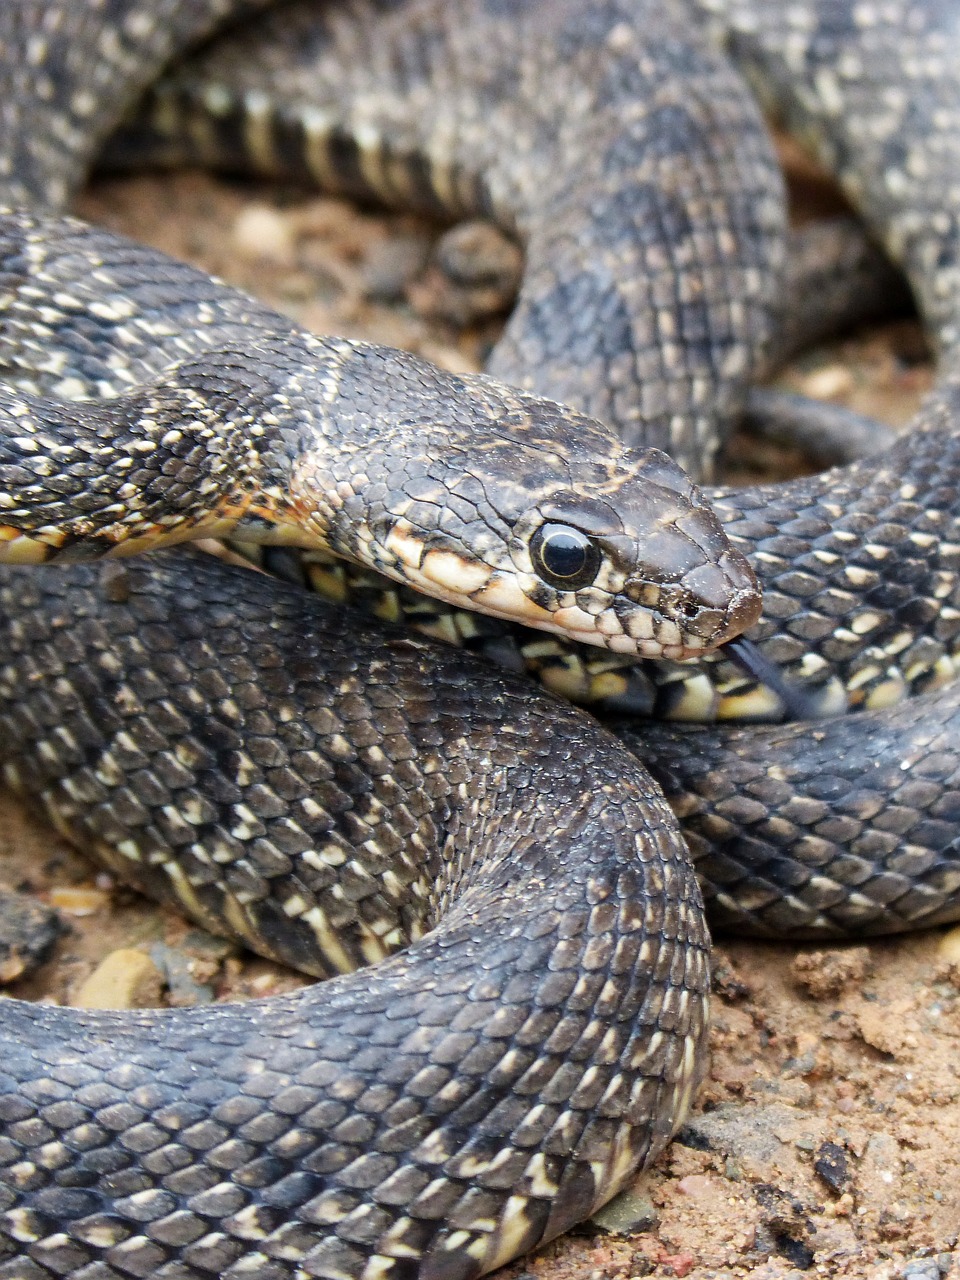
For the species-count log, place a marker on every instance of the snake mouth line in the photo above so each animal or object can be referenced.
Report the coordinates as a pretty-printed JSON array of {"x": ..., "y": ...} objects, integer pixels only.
[
  {"x": 502, "y": 596},
  {"x": 628, "y": 645}
]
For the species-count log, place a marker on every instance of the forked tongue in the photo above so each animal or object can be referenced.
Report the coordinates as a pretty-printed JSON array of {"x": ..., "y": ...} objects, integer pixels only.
[{"x": 798, "y": 703}]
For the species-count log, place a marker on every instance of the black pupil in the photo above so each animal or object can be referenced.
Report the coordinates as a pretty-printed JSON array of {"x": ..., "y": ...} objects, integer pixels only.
[{"x": 564, "y": 551}]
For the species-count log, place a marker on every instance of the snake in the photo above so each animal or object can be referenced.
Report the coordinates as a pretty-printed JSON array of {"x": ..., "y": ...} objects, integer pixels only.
[{"x": 531, "y": 1031}]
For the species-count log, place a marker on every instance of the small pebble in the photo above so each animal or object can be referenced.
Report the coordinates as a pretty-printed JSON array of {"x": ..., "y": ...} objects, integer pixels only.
[
  {"x": 261, "y": 234},
  {"x": 829, "y": 383},
  {"x": 480, "y": 254},
  {"x": 125, "y": 979},
  {"x": 474, "y": 274},
  {"x": 824, "y": 974},
  {"x": 178, "y": 974},
  {"x": 921, "y": 1269},
  {"x": 678, "y": 1264},
  {"x": 831, "y": 1165},
  {"x": 78, "y": 901},
  {"x": 949, "y": 946},
  {"x": 695, "y": 1185},
  {"x": 624, "y": 1214}
]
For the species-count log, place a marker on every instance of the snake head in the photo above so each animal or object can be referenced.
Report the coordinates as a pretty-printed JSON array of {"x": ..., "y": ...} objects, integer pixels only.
[
  {"x": 491, "y": 499},
  {"x": 630, "y": 558},
  {"x": 633, "y": 560}
]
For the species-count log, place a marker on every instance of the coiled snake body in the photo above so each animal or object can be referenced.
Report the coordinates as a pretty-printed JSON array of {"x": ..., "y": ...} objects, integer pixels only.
[{"x": 333, "y": 793}]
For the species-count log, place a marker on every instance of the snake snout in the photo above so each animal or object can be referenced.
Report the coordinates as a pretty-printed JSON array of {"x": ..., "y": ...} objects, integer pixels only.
[
  {"x": 701, "y": 587},
  {"x": 726, "y": 598}
]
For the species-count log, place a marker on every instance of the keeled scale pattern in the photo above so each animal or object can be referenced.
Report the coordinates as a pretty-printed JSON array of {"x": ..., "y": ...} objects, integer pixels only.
[
  {"x": 26, "y": 1228},
  {"x": 802, "y": 834},
  {"x": 859, "y": 567},
  {"x": 648, "y": 291},
  {"x": 466, "y": 1098}
]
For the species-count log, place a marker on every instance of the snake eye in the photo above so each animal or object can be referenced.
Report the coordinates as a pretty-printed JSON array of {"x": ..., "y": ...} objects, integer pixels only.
[{"x": 564, "y": 557}]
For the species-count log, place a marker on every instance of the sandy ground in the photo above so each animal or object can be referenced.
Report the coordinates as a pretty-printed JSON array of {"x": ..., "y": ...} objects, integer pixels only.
[{"x": 826, "y": 1140}]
